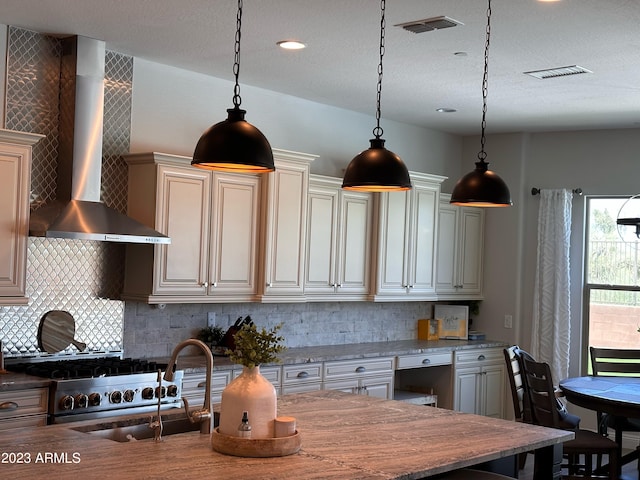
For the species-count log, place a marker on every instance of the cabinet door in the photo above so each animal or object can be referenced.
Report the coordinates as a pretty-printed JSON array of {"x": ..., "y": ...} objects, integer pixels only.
[
  {"x": 467, "y": 390},
  {"x": 322, "y": 223},
  {"x": 393, "y": 243},
  {"x": 447, "y": 249},
  {"x": 15, "y": 165},
  {"x": 234, "y": 235},
  {"x": 494, "y": 391},
  {"x": 182, "y": 212},
  {"x": 471, "y": 250},
  {"x": 422, "y": 258},
  {"x": 285, "y": 224},
  {"x": 354, "y": 243}
]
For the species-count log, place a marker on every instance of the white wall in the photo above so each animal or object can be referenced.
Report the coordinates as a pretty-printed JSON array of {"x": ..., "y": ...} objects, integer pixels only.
[
  {"x": 172, "y": 107},
  {"x": 602, "y": 162}
]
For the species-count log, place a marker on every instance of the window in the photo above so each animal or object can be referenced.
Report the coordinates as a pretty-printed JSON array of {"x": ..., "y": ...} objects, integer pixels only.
[{"x": 612, "y": 277}]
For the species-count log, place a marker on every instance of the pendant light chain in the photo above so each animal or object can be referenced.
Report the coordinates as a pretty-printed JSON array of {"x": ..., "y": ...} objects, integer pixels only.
[
  {"x": 236, "y": 61},
  {"x": 378, "y": 130},
  {"x": 482, "y": 155}
]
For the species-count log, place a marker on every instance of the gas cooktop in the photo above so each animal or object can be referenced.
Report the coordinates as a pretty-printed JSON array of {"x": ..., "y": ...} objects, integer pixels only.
[{"x": 86, "y": 367}]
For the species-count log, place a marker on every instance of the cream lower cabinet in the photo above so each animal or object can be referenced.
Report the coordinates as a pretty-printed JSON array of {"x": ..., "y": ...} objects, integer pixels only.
[
  {"x": 406, "y": 241},
  {"x": 479, "y": 382},
  {"x": 194, "y": 386},
  {"x": 23, "y": 408},
  {"x": 460, "y": 251},
  {"x": 338, "y": 249},
  {"x": 370, "y": 376},
  {"x": 212, "y": 219},
  {"x": 284, "y": 209},
  {"x": 15, "y": 175},
  {"x": 306, "y": 377}
]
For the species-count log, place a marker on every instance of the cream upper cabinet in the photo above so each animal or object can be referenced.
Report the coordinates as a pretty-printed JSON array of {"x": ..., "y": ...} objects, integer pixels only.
[
  {"x": 406, "y": 241},
  {"x": 212, "y": 219},
  {"x": 284, "y": 209},
  {"x": 338, "y": 249},
  {"x": 460, "y": 251},
  {"x": 15, "y": 177}
]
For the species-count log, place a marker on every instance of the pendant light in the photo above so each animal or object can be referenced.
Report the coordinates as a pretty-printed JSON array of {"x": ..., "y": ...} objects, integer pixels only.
[
  {"x": 482, "y": 187},
  {"x": 377, "y": 169},
  {"x": 234, "y": 144}
]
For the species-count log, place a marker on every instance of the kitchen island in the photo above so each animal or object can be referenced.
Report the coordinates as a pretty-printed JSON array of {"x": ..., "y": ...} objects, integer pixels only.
[{"x": 344, "y": 436}]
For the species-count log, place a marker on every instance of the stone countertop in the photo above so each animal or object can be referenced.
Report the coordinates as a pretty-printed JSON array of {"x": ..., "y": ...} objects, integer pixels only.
[
  {"x": 344, "y": 436},
  {"x": 10, "y": 381},
  {"x": 325, "y": 353}
]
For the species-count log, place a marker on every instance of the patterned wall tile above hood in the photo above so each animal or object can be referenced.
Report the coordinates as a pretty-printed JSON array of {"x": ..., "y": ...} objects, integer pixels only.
[{"x": 82, "y": 277}]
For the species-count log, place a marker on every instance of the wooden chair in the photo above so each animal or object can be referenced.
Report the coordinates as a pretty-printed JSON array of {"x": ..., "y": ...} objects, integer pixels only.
[
  {"x": 539, "y": 385},
  {"x": 522, "y": 410},
  {"x": 616, "y": 362}
]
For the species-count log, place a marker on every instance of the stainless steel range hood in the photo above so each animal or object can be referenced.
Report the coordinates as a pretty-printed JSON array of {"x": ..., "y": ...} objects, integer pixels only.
[{"x": 77, "y": 212}]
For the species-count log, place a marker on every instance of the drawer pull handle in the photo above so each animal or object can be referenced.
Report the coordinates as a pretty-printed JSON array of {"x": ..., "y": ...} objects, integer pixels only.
[
  {"x": 303, "y": 375},
  {"x": 361, "y": 370},
  {"x": 481, "y": 357},
  {"x": 202, "y": 385},
  {"x": 9, "y": 406},
  {"x": 426, "y": 361}
]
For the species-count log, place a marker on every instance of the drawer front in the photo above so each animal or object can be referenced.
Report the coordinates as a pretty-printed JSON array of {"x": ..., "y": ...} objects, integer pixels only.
[
  {"x": 26, "y": 421},
  {"x": 308, "y": 372},
  {"x": 301, "y": 387},
  {"x": 424, "y": 360},
  {"x": 23, "y": 402},
  {"x": 193, "y": 384},
  {"x": 481, "y": 356},
  {"x": 350, "y": 368}
]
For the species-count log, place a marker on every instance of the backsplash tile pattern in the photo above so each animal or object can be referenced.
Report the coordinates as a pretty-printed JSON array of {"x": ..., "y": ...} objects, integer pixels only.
[
  {"x": 153, "y": 332},
  {"x": 82, "y": 277}
]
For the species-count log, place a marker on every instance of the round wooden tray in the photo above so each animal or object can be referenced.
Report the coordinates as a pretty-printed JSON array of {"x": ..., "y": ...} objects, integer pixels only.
[{"x": 255, "y": 447}]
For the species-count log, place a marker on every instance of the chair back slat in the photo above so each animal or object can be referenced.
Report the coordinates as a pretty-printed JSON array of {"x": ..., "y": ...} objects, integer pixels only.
[
  {"x": 615, "y": 361},
  {"x": 541, "y": 393},
  {"x": 513, "y": 357}
]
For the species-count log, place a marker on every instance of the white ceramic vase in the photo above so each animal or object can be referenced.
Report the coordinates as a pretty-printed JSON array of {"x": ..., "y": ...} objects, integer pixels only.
[{"x": 253, "y": 393}]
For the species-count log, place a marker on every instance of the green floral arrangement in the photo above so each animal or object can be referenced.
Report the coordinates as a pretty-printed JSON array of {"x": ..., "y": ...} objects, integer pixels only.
[
  {"x": 254, "y": 347},
  {"x": 211, "y": 335}
]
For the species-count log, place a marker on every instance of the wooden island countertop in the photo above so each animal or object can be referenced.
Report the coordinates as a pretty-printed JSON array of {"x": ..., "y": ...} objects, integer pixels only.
[{"x": 344, "y": 436}]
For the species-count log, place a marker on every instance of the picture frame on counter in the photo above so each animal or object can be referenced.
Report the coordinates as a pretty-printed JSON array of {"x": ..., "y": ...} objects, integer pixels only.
[{"x": 453, "y": 321}]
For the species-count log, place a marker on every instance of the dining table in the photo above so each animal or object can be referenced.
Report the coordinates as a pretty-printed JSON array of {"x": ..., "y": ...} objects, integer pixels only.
[{"x": 614, "y": 395}]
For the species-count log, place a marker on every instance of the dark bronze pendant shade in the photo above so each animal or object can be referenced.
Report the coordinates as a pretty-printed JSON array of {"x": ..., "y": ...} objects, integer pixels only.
[
  {"x": 234, "y": 145},
  {"x": 481, "y": 188},
  {"x": 376, "y": 170}
]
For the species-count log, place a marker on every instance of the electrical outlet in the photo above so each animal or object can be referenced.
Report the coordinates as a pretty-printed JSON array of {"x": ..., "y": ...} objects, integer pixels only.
[
  {"x": 211, "y": 319},
  {"x": 508, "y": 321}
]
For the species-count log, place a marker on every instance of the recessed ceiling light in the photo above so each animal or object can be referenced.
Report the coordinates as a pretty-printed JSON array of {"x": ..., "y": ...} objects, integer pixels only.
[
  {"x": 445, "y": 110},
  {"x": 460, "y": 54},
  {"x": 291, "y": 45}
]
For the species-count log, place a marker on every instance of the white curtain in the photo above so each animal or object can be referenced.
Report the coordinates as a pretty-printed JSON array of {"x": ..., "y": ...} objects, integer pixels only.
[{"x": 551, "y": 309}]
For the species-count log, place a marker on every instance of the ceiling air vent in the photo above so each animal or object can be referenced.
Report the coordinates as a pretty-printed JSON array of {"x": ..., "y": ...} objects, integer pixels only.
[
  {"x": 558, "y": 72},
  {"x": 429, "y": 24}
]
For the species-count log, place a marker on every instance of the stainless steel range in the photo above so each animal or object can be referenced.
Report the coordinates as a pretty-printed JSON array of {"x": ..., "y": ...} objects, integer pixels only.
[{"x": 83, "y": 389}]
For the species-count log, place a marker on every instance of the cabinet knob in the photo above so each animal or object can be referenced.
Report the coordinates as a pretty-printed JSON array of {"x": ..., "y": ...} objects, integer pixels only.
[
  {"x": 269, "y": 284},
  {"x": 205, "y": 284}
]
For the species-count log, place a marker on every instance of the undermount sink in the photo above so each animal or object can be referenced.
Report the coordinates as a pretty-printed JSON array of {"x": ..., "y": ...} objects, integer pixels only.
[{"x": 138, "y": 429}]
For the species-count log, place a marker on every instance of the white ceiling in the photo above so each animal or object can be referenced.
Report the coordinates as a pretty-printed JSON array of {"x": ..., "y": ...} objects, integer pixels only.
[{"x": 421, "y": 72}]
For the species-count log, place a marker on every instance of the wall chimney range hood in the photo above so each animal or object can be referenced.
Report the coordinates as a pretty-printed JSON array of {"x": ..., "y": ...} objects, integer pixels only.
[{"x": 77, "y": 212}]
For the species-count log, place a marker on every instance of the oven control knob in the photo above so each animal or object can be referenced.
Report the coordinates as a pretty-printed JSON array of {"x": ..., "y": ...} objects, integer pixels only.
[
  {"x": 66, "y": 402},
  {"x": 147, "y": 393},
  {"x": 94, "y": 399},
  {"x": 81, "y": 401},
  {"x": 172, "y": 391},
  {"x": 115, "y": 396},
  {"x": 161, "y": 392},
  {"x": 129, "y": 395}
]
